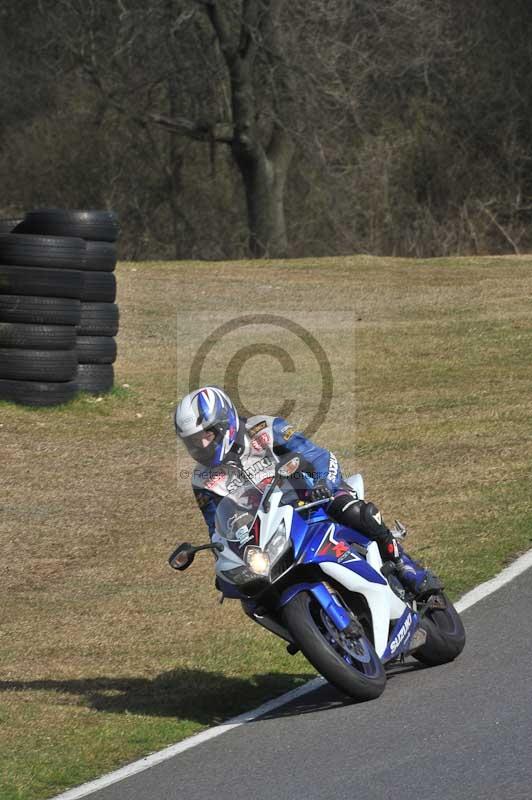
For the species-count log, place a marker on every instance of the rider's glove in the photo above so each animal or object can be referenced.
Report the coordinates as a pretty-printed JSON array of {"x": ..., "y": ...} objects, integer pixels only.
[{"x": 320, "y": 491}]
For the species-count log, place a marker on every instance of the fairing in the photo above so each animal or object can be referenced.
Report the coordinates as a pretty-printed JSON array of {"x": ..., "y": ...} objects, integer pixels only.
[{"x": 342, "y": 554}]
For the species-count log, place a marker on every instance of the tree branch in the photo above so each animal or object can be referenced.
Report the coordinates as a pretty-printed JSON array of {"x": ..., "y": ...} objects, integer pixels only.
[
  {"x": 203, "y": 132},
  {"x": 249, "y": 30},
  {"x": 221, "y": 28},
  {"x": 501, "y": 229}
]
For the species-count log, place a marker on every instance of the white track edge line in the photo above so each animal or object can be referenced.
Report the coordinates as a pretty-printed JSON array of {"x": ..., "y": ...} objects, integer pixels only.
[
  {"x": 174, "y": 749},
  {"x": 518, "y": 566},
  {"x": 481, "y": 591}
]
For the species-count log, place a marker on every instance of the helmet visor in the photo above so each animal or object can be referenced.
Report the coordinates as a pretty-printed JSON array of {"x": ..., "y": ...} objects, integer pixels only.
[{"x": 202, "y": 446}]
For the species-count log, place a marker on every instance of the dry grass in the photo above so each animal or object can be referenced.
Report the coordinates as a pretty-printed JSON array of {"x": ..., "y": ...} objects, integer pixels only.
[{"x": 105, "y": 654}]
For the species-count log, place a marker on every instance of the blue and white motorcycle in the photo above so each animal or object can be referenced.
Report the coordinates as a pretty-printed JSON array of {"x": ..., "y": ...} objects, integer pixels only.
[{"x": 319, "y": 586}]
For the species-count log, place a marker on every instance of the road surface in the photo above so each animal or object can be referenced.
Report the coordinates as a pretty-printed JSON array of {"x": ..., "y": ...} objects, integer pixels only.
[{"x": 462, "y": 731}]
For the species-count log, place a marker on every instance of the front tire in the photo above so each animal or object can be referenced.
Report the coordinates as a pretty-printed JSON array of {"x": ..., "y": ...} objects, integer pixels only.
[
  {"x": 445, "y": 635},
  {"x": 350, "y": 664}
]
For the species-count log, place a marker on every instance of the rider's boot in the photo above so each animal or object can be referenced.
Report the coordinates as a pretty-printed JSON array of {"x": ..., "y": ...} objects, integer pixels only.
[{"x": 417, "y": 580}]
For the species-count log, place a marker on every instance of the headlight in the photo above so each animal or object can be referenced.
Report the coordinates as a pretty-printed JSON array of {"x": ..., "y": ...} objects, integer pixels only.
[
  {"x": 258, "y": 561},
  {"x": 278, "y": 543}
]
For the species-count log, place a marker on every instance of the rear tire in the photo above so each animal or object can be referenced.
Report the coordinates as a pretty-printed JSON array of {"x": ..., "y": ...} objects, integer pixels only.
[
  {"x": 445, "y": 636},
  {"x": 302, "y": 616}
]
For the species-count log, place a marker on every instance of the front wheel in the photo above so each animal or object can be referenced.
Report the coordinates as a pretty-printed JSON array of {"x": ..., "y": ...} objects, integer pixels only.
[
  {"x": 445, "y": 633},
  {"x": 348, "y": 662}
]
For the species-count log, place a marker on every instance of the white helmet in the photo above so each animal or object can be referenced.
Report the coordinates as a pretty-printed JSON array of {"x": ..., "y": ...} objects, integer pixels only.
[{"x": 207, "y": 409}]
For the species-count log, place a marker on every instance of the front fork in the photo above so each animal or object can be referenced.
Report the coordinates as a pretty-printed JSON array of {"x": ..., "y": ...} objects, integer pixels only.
[{"x": 326, "y": 598}]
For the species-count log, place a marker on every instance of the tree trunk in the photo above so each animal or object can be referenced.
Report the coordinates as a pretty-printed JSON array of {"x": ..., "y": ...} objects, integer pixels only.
[
  {"x": 263, "y": 168},
  {"x": 264, "y": 175},
  {"x": 175, "y": 167}
]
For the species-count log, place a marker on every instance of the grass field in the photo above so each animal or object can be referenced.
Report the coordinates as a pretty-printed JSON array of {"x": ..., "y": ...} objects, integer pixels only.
[{"x": 105, "y": 654}]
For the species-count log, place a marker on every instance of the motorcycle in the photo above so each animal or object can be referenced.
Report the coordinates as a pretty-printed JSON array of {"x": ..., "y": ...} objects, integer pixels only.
[{"x": 319, "y": 586}]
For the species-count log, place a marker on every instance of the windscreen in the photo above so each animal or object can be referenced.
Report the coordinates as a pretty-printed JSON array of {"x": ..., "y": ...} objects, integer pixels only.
[{"x": 236, "y": 512}]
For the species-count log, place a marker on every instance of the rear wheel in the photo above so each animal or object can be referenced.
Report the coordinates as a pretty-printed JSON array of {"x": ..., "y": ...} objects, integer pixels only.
[
  {"x": 445, "y": 633},
  {"x": 348, "y": 661}
]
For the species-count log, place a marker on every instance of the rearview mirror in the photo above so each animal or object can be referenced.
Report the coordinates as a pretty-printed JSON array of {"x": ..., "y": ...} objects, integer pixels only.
[{"x": 182, "y": 557}]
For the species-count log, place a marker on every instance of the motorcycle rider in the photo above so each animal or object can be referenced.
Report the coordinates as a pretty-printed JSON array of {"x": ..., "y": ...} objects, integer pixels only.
[{"x": 224, "y": 443}]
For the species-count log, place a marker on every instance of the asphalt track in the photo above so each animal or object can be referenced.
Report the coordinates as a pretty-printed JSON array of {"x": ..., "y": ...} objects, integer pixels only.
[{"x": 463, "y": 730}]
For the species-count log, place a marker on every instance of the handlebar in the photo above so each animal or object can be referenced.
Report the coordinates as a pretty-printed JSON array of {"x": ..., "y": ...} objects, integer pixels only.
[{"x": 313, "y": 504}]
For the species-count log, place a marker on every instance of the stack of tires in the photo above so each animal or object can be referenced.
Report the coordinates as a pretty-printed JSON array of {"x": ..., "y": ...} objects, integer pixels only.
[
  {"x": 40, "y": 290},
  {"x": 57, "y": 292},
  {"x": 98, "y": 324}
]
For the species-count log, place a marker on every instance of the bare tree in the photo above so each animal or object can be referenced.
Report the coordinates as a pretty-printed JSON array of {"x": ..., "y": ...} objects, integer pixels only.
[
  {"x": 247, "y": 42},
  {"x": 226, "y": 73},
  {"x": 224, "y": 127}
]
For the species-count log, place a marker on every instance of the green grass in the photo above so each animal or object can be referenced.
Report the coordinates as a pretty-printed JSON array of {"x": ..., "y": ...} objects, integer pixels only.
[{"x": 105, "y": 654}]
